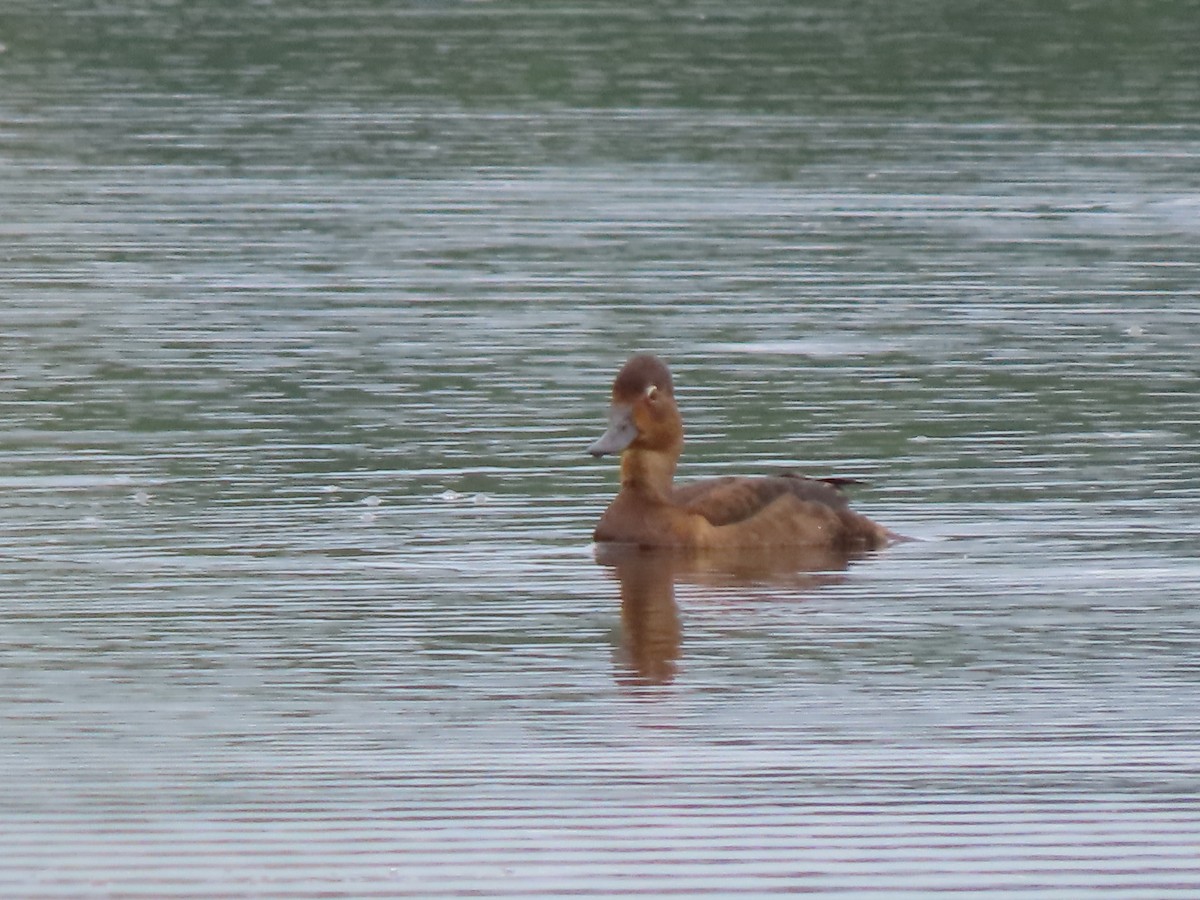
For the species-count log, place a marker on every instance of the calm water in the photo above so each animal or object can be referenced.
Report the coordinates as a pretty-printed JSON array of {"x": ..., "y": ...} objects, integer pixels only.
[{"x": 310, "y": 310}]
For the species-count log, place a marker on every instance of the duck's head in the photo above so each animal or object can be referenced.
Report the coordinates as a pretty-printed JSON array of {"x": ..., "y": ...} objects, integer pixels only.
[{"x": 643, "y": 415}]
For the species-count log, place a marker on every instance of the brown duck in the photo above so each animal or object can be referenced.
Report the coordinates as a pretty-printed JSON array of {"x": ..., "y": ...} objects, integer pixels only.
[{"x": 786, "y": 510}]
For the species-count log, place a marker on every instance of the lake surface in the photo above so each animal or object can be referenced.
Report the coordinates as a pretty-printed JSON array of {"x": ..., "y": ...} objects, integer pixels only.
[{"x": 310, "y": 311}]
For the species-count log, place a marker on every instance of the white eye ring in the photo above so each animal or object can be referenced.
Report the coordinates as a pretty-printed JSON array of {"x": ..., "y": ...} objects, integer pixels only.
[{"x": 651, "y": 392}]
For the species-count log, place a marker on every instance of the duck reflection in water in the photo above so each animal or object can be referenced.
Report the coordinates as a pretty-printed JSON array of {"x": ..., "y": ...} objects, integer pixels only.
[
  {"x": 651, "y": 633},
  {"x": 732, "y": 527}
]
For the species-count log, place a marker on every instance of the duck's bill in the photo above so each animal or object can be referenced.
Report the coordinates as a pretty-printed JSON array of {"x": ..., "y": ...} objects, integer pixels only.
[{"x": 621, "y": 432}]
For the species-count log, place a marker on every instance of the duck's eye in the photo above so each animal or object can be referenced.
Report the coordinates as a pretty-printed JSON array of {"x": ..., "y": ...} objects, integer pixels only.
[{"x": 651, "y": 392}]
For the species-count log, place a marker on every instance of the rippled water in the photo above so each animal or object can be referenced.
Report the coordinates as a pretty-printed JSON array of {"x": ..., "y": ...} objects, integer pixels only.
[{"x": 311, "y": 312}]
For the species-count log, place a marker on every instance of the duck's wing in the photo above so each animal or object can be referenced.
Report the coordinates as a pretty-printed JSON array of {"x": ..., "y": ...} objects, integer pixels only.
[
  {"x": 724, "y": 501},
  {"x": 838, "y": 481}
]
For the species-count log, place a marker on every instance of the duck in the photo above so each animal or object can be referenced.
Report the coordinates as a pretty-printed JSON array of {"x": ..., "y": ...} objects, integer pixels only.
[{"x": 784, "y": 510}]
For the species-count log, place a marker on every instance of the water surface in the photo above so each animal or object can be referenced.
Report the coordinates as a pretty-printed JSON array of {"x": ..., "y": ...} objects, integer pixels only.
[{"x": 311, "y": 312}]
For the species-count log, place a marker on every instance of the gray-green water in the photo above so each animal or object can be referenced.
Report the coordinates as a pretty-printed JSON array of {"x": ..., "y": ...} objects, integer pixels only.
[{"x": 310, "y": 310}]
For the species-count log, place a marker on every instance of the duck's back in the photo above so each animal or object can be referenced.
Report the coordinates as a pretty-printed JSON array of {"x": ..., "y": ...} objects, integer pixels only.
[
  {"x": 724, "y": 501},
  {"x": 780, "y": 509}
]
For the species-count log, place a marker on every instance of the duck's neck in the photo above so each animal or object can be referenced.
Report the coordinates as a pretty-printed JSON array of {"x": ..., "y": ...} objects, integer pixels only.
[{"x": 648, "y": 472}]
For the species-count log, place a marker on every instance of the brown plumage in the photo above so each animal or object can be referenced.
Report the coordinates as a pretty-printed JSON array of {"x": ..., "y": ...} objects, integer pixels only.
[{"x": 784, "y": 510}]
